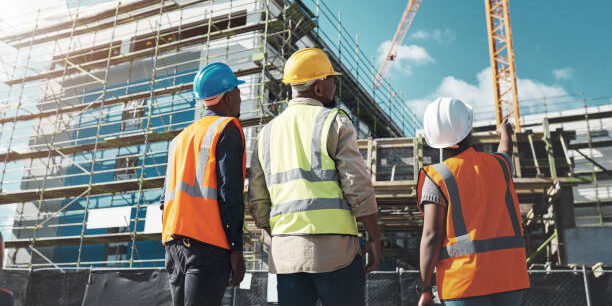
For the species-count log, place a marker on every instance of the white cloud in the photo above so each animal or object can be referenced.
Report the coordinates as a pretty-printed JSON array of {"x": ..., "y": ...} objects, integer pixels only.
[
  {"x": 480, "y": 95},
  {"x": 563, "y": 73},
  {"x": 407, "y": 56},
  {"x": 441, "y": 36},
  {"x": 420, "y": 34},
  {"x": 19, "y": 15}
]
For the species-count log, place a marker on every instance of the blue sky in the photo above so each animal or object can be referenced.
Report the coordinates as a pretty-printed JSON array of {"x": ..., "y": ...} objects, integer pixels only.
[{"x": 561, "y": 47}]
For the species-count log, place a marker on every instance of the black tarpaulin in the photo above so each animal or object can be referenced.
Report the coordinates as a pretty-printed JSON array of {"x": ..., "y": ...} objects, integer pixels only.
[
  {"x": 16, "y": 281},
  {"x": 56, "y": 288},
  {"x": 129, "y": 287}
]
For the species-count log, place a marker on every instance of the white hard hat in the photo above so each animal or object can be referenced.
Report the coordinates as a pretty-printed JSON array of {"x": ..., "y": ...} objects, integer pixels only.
[{"x": 446, "y": 122}]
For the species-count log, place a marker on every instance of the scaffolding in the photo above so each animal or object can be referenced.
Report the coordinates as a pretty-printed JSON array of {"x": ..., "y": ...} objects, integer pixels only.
[
  {"x": 93, "y": 96},
  {"x": 90, "y": 101}
]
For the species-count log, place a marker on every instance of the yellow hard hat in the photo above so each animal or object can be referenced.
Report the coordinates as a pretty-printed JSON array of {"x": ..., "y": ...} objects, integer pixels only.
[{"x": 306, "y": 65}]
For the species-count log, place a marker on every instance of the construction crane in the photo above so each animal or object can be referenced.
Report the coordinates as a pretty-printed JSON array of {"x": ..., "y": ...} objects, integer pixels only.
[
  {"x": 501, "y": 53},
  {"x": 398, "y": 38}
]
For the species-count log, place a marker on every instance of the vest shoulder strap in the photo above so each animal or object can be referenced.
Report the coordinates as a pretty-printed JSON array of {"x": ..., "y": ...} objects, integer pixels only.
[
  {"x": 454, "y": 198},
  {"x": 343, "y": 112},
  {"x": 198, "y": 189}
]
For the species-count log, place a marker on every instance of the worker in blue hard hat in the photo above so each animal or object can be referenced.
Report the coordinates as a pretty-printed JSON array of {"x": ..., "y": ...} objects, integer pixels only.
[
  {"x": 202, "y": 198},
  {"x": 215, "y": 82}
]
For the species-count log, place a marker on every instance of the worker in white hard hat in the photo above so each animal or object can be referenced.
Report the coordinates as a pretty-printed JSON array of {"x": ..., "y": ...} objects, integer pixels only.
[{"x": 472, "y": 231}]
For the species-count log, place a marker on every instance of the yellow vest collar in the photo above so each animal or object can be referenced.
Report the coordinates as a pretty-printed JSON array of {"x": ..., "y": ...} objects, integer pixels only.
[{"x": 305, "y": 101}]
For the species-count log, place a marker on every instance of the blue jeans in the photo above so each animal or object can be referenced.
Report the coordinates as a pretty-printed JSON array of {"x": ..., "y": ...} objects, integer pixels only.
[
  {"x": 344, "y": 286},
  {"x": 510, "y": 298}
]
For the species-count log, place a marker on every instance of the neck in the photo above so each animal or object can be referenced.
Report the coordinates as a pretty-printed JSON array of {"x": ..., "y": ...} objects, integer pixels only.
[
  {"x": 448, "y": 153},
  {"x": 218, "y": 112},
  {"x": 305, "y": 94},
  {"x": 222, "y": 109}
]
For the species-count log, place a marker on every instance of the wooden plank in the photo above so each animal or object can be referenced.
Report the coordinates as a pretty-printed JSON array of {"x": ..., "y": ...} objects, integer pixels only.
[
  {"x": 140, "y": 54},
  {"x": 84, "y": 21},
  {"x": 75, "y": 240},
  {"x": 112, "y": 142}
]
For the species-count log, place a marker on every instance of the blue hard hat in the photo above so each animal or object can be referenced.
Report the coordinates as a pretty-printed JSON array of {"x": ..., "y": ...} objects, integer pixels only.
[{"x": 213, "y": 80}]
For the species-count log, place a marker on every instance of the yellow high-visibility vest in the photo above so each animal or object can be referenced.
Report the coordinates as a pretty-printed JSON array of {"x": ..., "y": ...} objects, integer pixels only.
[{"x": 301, "y": 176}]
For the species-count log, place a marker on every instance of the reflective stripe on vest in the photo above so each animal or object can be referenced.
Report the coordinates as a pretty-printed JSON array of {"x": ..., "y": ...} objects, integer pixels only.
[
  {"x": 464, "y": 245},
  {"x": 317, "y": 189},
  {"x": 198, "y": 190},
  {"x": 308, "y": 204}
]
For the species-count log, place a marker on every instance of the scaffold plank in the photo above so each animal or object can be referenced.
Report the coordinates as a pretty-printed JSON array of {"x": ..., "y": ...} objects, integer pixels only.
[
  {"x": 112, "y": 142},
  {"x": 116, "y": 100},
  {"x": 554, "y": 120},
  {"x": 84, "y": 21},
  {"x": 75, "y": 240},
  {"x": 141, "y": 53},
  {"x": 124, "y": 20},
  {"x": 393, "y": 192}
]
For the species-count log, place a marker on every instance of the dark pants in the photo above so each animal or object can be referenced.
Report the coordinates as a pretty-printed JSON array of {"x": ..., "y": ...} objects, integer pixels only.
[
  {"x": 341, "y": 287},
  {"x": 6, "y": 297},
  {"x": 198, "y": 272}
]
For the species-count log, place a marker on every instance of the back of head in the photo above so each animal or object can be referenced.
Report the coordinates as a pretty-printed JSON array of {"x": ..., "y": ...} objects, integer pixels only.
[
  {"x": 310, "y": 74},
  {"x": 306, "y": 65},
  {"x": 446, "y": 122}
]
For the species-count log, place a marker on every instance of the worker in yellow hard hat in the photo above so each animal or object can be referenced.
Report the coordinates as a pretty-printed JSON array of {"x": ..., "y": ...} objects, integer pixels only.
[{"x": 308, "y": 185}]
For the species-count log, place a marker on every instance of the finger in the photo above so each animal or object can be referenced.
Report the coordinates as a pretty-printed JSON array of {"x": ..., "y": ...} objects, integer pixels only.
[
  {"x": 240, "y": 274},
  {"x": 232, "y": 281},
  {"x": 506, "y": 117},
  {"x": 369, "y": 268},
  {"x": 235, "y": 281},
  {"x": 372, "y": 264}
]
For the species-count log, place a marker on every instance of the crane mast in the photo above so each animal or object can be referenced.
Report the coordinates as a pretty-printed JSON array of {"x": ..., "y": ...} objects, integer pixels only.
[
  {"x": 502, "y": 62},
  {"x": 505, "y": 92},
  {"x": 398, "y": 38}
]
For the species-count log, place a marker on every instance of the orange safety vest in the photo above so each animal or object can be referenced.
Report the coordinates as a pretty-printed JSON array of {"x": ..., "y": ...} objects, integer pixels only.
[
  {"x": 483, "y": 250},
  {"x": 191, "y": 208}
]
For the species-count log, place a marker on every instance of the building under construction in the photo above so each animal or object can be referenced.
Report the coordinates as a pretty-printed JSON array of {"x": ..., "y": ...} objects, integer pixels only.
[
  {"x": 91, "y": 96},
  {"x": 90, "y": 105}
]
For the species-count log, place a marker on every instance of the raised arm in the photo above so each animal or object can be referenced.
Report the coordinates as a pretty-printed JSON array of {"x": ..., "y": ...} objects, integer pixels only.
[{"x": 505, "y": 142}]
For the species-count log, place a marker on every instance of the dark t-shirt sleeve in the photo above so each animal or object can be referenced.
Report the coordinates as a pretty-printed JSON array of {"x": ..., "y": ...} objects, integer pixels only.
[
  {"x": 230, "y": 184},
  {"x": 6, "y": 298}
]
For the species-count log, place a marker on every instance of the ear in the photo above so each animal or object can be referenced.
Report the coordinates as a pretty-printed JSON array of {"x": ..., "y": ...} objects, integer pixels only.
[
  {"x": 317, "y": 89},
  {"x": 225, "y": 98}
]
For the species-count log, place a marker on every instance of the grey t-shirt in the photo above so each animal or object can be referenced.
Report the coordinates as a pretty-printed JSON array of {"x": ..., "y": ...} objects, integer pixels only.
[{"x": 431, "y": 193}]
